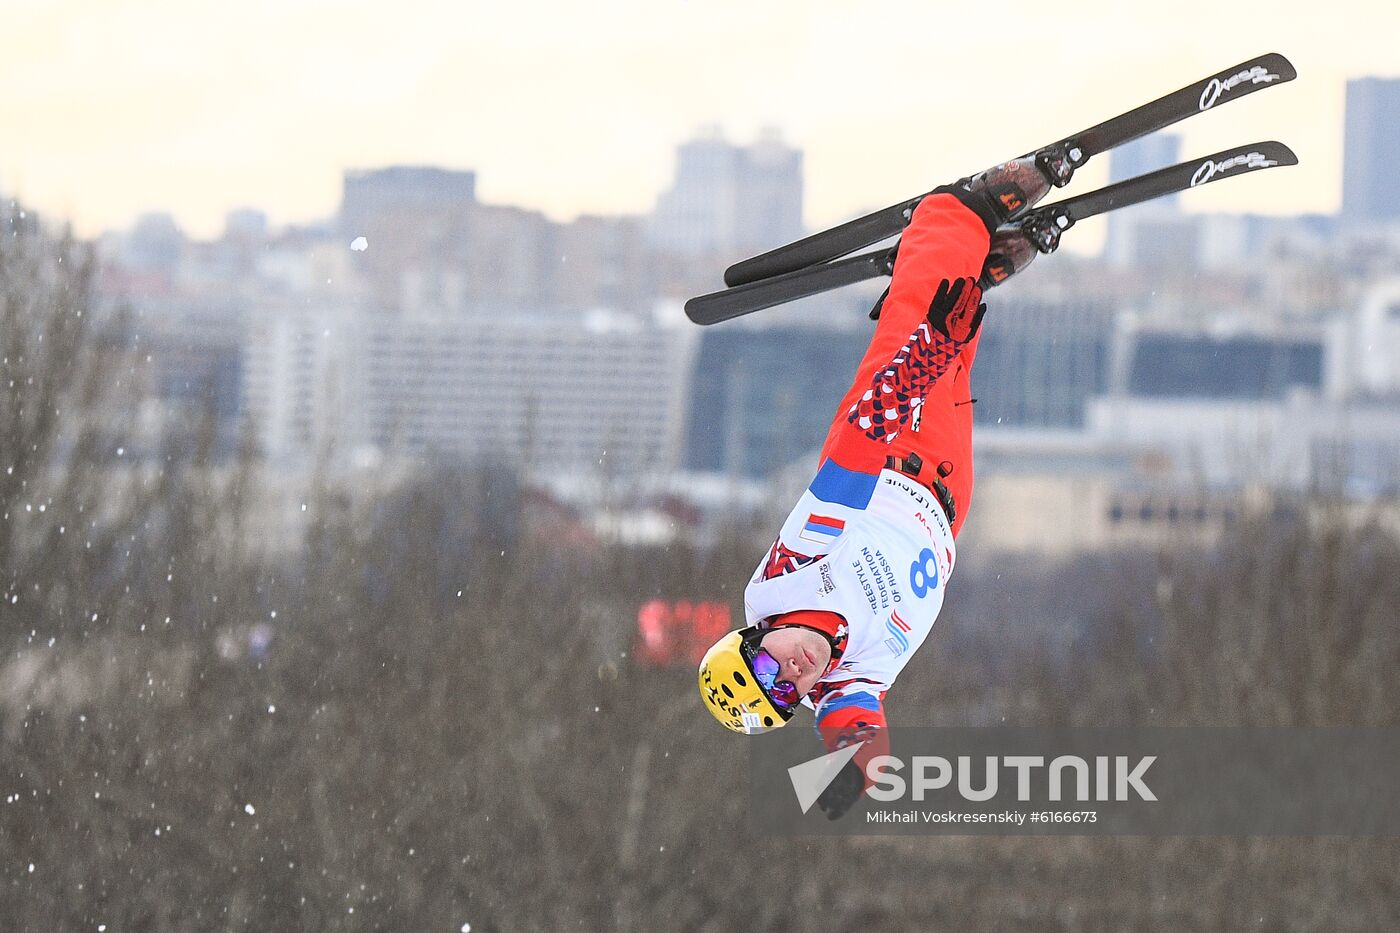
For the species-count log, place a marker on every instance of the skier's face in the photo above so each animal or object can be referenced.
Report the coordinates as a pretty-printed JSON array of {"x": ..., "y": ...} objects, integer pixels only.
[{"x": 801, "y": 653}]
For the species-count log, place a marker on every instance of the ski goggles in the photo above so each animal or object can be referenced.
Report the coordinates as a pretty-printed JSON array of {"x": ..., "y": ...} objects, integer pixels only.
[{"x": 783, "y": 693}]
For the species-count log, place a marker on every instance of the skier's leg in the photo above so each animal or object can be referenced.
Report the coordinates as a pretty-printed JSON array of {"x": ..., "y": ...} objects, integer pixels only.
[
  {"x": 917, "y": 365},
  {"x": 938, "y": 446}
]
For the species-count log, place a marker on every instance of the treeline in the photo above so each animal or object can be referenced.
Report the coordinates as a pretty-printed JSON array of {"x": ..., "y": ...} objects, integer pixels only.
[{"x": 428, "y": 717}]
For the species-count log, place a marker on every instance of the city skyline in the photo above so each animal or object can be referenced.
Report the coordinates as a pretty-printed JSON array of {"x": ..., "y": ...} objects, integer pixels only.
[{"x": 198, "y": 109}]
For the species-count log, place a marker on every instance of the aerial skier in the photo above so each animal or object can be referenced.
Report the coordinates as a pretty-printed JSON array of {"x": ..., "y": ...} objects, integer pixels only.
[
  {"x": 852, "y": 585},
  {"x": 855, "y": 579}
]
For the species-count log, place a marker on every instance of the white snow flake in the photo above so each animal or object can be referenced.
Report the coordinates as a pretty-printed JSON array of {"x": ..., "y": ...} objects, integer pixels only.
[{"x": 359, "y": 244}]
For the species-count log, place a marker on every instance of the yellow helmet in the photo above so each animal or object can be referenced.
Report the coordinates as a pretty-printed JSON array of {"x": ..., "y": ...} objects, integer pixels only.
[{"x": 731, "y": 692}]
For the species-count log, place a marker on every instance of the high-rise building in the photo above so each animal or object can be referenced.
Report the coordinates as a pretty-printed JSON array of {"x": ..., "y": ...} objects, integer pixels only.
[
  {"x": 761, "y": 399},
  {"x": 156, "y": 244},
  {"x": 371, "y": 194},
  {"x": 601, "y": 262},
  {"x": 580, "y": 394},
  {"x": 729, "y": 200},
  {"x": 1370, "y": 184},
  {"x": 415, "y": 220},
  {"x": 1181, "y": 364},
  {"x": 1148, "y": 154},
  {"x": 1038, "y": 363},
  {"x": 1151, "y": 233}
]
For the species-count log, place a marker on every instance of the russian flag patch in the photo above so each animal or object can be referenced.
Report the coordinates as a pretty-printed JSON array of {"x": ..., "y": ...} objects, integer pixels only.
[{"x": 822, "y": 529}]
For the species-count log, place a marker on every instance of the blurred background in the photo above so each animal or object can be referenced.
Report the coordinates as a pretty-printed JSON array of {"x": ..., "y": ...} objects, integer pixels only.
[{"x": 367, "y": 499}]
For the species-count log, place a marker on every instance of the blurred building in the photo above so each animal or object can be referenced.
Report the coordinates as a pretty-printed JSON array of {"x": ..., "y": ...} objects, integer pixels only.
[
  {"x": 1364, "y": 347},
  {"x": 155, "y": 244},
  {"x": 1370, "y": 183},
  {"x": 1159, "y": 238},
  {"x": 1143, "y": 155},
  {"x": 195, "y": 354},
  {"x": 1152, "y": 233},
  {"x": 1039, "y": 362},
  {"x": 296, "y": 364},
  {"x": 730, "y": 200},
  {"x": 370, "y": 196},
  {"x": 1198, "y": 423},
  {"x": 603, "y": 262},
  {"x": 1175, "y": 364},
  {"x": 246, "y": 234},
  {"x": 760, "y": 399},
  {"x": 595, "y": 393},
  {"x": 414, "y": 221},
  {"x": 430, "y": 245}
]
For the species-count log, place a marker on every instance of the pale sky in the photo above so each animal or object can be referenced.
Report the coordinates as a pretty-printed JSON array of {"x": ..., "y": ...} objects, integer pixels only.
[{"x": 115, "y": 107}]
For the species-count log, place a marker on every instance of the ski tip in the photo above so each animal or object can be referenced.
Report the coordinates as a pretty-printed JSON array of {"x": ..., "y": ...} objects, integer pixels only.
[
  {"x": 1277, "y": 64},
  {"x": 696, "y": 312},
  {"x": 1276, "y": 152},
  {"x": 1281, "y": 153}
]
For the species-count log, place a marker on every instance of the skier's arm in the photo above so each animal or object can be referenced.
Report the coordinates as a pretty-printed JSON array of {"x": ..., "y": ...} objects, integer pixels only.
[{"x": 850, "y": 714}]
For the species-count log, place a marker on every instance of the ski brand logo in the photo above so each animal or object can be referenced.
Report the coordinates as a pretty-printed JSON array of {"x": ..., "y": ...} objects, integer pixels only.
[
  {"x": 1210, "y": 168},
  {"x": 1012, "y": 200},
  {"x": 1215, "y": 87}
]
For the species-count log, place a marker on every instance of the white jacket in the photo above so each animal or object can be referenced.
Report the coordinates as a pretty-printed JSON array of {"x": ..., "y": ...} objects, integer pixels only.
[{"x": 877, "y": 550}]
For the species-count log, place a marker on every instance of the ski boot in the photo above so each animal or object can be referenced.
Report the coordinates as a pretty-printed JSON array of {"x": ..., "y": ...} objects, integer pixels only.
[
  {"x": 1005, "y": 193},
  {"x": 1010, "y": 252},
  {"x": 1013, "y": 247}
]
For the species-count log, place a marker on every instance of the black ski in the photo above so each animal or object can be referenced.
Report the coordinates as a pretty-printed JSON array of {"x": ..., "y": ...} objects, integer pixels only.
[
  {"x": 790, "y": 286},
  {"x": 1041, "y": 226},
  {"x": 1230, "y": 84},
  {"x": 1044, "y": 225}
]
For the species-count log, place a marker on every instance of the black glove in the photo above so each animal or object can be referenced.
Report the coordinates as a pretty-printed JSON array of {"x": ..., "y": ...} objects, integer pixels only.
[
  {"x": 844, "y": 790},
  {"x": 956, "y": 310}
]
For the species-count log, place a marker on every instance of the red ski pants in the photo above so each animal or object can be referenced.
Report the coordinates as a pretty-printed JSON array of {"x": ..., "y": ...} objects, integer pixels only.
[{"x": 910, "y": 361}]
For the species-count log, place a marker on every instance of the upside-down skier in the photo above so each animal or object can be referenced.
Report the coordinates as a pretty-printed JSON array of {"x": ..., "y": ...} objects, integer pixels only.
[{"x": 855, "y": 579}]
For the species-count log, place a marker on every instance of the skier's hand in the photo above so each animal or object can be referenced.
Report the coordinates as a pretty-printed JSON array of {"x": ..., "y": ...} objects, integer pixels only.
[
  {"x": 844, "y": 790},
  {"x": 956, "y": 309}
]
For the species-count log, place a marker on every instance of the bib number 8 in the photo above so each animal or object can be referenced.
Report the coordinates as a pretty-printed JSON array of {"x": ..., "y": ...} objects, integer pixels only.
[{"x": 923, "y": 573}]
